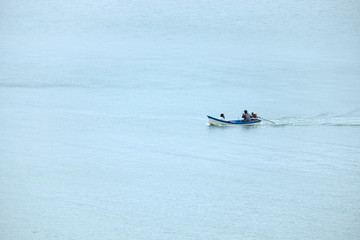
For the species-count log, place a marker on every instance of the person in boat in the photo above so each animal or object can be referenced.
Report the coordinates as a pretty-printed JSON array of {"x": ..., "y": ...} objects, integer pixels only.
[
  {"x": 246, "y": 116},
  {"x": 254, "y": 115},
  {"x": 222, "y": 116}
]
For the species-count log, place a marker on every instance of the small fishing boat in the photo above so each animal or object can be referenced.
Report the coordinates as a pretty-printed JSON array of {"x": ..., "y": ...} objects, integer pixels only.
[{"x": 217, "y": 121}]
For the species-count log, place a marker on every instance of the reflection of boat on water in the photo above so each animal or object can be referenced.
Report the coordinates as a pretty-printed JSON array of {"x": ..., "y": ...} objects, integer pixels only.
[{"x": 217, "y": 121}]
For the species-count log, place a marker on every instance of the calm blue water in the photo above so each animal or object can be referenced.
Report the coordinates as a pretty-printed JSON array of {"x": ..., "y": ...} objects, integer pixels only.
[{"x": 103, "y": 121}]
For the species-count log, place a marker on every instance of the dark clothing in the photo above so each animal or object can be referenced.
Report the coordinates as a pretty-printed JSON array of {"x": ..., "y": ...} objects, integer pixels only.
[{"x": 246, "y": 117}]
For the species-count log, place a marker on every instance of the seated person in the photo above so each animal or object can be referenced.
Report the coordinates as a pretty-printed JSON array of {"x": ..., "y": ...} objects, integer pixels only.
[
  {"x": 254, "y": 115},
  {"x": 246, "y": 116},
  {"x": 222, "y": 116}
]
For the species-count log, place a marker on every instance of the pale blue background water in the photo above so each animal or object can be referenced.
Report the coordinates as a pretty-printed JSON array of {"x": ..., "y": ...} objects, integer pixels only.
[{"x": 103, "y": 119}]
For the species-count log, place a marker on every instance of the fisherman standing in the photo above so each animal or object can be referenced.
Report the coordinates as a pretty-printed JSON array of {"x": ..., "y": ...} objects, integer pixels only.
[{"x": 246, "y": 116}]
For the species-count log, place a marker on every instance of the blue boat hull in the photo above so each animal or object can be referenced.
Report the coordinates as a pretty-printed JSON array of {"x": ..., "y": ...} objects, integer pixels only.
[{"x": 217, "y": 121}]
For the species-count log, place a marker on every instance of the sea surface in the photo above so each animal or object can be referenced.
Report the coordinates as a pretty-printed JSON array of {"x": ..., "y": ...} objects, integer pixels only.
[{"x": 104, "y": 131}]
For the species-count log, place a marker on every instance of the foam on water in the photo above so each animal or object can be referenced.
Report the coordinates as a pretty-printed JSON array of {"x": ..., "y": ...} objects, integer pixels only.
[{"x": 318, "y": 121}]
